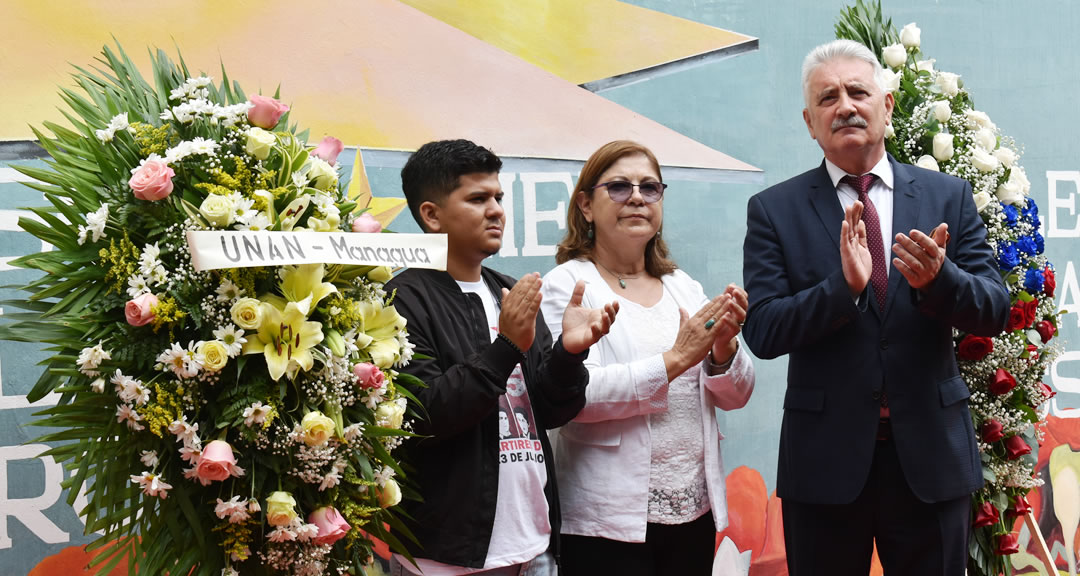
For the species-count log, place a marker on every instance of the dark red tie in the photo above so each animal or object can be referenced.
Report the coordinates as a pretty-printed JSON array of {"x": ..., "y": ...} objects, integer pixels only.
[{"x": 879, "y": 278}]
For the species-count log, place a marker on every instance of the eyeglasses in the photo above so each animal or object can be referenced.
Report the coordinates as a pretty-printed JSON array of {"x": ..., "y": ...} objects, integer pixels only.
[{"x": 620, "y": 191}]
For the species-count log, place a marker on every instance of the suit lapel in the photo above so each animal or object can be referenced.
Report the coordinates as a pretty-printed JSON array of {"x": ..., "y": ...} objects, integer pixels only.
[
  {"x": 827, "y": 205},
  {"x": 906, "y": 195}
]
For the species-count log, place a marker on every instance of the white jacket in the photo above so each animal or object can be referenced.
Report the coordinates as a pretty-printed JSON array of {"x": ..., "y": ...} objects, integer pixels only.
[{"x": 603, "y": 456}]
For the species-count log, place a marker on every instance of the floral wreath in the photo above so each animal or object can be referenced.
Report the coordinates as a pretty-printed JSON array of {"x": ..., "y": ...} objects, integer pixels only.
[{"x": 221, "y": 422}]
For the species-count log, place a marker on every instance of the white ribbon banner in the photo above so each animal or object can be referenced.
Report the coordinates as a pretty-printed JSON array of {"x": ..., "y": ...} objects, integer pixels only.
[{"x": 212, "y": 250}]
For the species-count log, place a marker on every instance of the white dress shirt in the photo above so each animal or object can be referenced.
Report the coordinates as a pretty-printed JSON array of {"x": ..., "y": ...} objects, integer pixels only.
[{"x": 881, "y": 194}]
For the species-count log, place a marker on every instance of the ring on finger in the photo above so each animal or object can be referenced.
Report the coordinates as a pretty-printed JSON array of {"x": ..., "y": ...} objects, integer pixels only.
[{"x": 709, "y": 324}]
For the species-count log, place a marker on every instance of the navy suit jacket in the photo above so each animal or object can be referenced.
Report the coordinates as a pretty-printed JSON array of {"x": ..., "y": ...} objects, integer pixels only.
[{"x": 843, "y": 353}]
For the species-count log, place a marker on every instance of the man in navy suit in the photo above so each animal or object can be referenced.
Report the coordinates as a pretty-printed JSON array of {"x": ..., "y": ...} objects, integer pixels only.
[{"x": 876, "y": 443}]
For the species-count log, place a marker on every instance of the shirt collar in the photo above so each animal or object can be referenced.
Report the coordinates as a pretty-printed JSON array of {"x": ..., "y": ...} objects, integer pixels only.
[{"x": 883, "y": 170}]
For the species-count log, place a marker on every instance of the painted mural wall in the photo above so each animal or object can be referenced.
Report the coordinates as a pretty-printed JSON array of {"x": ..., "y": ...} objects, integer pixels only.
[{"x": 1020, "y": 63}]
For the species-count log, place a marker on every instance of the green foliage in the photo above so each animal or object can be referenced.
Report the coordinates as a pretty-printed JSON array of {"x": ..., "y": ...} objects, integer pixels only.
[{"x": 102, "y": 239}]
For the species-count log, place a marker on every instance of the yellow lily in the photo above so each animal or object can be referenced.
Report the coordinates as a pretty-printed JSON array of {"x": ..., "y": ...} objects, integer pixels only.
[
  {"x": 381, "y": 322},
  {"x": 285, "y": 338},
  {"x": 305, "y": 282}
]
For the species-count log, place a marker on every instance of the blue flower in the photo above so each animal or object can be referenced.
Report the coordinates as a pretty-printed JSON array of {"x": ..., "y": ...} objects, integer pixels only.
[
  {"x": 1007, "y": 256},
  {"x": 1012, "y": 215},
  {"x": 1027, "y": 245},
  {"x": 1040, "y": 243},
  {"x": 1033, "y": 281},
  {"x": 1030, "y": 208}
]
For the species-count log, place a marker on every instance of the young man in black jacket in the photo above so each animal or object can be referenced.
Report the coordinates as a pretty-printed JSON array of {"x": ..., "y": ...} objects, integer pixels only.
[{"x": 490, "y": 504}]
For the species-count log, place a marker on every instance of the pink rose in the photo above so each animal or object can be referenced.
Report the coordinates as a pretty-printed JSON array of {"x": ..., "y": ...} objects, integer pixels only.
[
  {"x": 140, "y": 311},
  {"x": 329, "y": 149},
  {"x": 217, "y": 463},
  {"x": 152, "y": 181},
  {"x": 368, "y": 375},
  {"x": 366, "y": 223},
  {"x": 267, "y": 111},
  {"x": 332, "y": 527}
]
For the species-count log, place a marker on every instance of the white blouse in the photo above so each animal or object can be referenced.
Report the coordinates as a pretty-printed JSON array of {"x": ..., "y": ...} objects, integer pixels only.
[{"x": 604, "y": 456}]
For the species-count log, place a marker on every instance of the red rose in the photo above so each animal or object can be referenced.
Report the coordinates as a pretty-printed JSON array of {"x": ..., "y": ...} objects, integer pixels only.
[
  {"x": 975, "y": 347},
  {"x": 992, "y": 431},
  {"x": 1016, "y": 318},
  {"x": 1015, "y": 447},
  {"x": 1020, "y": 508},
  {"x": 1049, "y": 283},
  {"x": 1046, "y": 391},
  {"x": 1033, "y": 352},
  {"x": 1029, "y": 312},
  {"x": 1007, "y": 544},
  {"x": 1046, "y": 330},
  {"x": 1002, "y": 382},
  {"x": 986, "y": 515}
]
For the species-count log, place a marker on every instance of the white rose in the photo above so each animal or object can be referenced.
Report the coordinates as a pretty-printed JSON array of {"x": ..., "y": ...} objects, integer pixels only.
[
  {"x": 1006, "y": 156},
  {"x": 317, "y": 428},
  {"x": 894, "y": 55},
  {"x": 1009, "y": 193},
  {"x": 943, "y": 148},
  {"x": 390, "y": 415},
  {"x": 982, "y": 200},
  {"x": 925, "y": 65},
  {"x": 889, "y": 131},
  {"x": 984, "y": 160},
  {"x": 911, "y": 36},
  {"x": 927, "y": 161},
  {"x": 890, "y": 80},
  {"x": 978, "y": 119},
  {"x": 215, "y": 355},
  {"x": 942, "y": 110},
  {"x": 949, "y": 83},
  {"x": 259, "y": 143},
  {"x": 247, "y": 313},
  {"x": 218, "y": 210},
  {"x": 986, "y": 138},
  {"x": 1018, "y": 176},
  {"x": 322, "y": 174},
  {"x": 389, "y": 494}
]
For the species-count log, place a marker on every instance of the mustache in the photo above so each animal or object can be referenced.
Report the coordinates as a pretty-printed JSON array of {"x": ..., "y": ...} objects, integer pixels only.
[{"x": 853, "y": 121}]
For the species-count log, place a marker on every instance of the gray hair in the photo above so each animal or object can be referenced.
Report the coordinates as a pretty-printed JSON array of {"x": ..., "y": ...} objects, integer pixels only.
[{"x": 835, "y": 50}]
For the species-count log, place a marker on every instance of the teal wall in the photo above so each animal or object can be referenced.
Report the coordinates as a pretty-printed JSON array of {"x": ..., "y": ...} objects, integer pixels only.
[{"x": 1018, "y": 59}]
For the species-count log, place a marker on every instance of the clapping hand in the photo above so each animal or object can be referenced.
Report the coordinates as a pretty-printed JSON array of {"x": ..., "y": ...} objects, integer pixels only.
[
  {"x": 517, "y": 321},
  {"x": 855, "y": 257},
  {"x": 919, "y": 257},
  {"x": 730, "y": 321},
  {"x": 582, "y": 327}
]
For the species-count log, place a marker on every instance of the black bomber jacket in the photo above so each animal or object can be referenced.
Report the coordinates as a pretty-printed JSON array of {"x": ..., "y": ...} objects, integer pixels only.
[{"x": 456, "y": 463}]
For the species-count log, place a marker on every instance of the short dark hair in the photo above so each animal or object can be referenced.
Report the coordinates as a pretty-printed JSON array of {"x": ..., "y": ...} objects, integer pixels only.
[{"x": 435, "y": 170}]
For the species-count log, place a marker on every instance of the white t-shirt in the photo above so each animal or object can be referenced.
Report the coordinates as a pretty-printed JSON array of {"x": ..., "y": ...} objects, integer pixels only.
[{"x": 522, "y": 529}]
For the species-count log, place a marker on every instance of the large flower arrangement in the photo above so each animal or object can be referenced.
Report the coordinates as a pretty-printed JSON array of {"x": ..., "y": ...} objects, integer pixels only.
[
  {"x": 222, "y": 422},
  {"x": 935, "y": 126}
]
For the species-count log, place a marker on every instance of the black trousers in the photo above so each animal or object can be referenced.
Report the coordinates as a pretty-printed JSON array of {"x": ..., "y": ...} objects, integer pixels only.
[
  {"x": 683, "y": 549},
  {"x": 913, "y": 537}
]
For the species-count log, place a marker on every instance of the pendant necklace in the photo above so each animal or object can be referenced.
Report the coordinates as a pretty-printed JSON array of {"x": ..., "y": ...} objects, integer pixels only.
[{"x": 622, "y": 279}]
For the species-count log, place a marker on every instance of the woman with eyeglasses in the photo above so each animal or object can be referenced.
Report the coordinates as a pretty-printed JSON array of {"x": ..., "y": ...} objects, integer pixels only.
[{"x": 641, "y": 480}]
